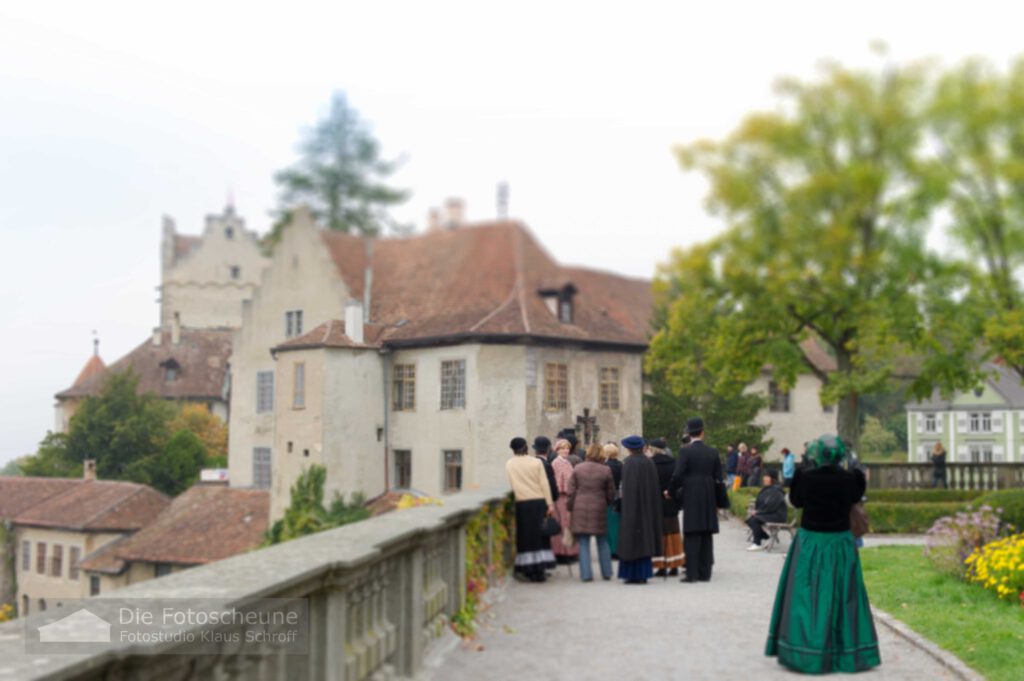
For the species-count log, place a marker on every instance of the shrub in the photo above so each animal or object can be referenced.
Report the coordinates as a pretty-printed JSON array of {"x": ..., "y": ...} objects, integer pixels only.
[
  {"x": 953, "y": 538},
  {"x": 908, "y": 518},
  {"x": 917, "y": 496},
  {"x": 999, "y": 567},
  {"x": 1011, "y": 503}
]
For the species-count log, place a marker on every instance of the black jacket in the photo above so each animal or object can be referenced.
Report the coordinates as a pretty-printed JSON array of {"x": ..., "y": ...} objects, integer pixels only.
[
  {"x": 551, "y": 477},
  {"x": 666, "y": 466},
  {"x": 826, "y": 494},
  {"x": 640, "y": 529},
  {"x": 770, "y": 505},
  {"x": 616, "y": 467},
  {"x": 693, "y": 483}
]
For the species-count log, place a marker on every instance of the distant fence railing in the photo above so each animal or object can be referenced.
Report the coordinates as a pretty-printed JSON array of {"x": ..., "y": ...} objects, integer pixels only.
[
  {"x": 966, "y": 476},
  {"x": 378, "y": 593}
]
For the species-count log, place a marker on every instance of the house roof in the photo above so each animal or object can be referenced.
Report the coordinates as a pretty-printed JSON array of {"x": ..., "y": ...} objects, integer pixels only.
[
  {"x": 94, "y": 367},
  {"x": 105, "y": 559},
  {"x": 203, "y": 524},
  {"x": 1004, "y": 381},
  {"x": 331, "y": 334},
  {"x": 817, "y": 355},
  {"x": 484, "y": 281},
  {"x": 21, "y": 493},
  {"x": 90, "y": 505},
  {"x": 201, "y": 356}
]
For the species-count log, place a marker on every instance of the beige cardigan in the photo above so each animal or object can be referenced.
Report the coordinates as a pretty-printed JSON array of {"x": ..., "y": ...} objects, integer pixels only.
[{"x": 528, "y": 479}]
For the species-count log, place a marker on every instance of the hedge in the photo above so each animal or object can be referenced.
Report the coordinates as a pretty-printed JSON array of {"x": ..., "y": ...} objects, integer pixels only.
[
  {"x": 885, "y": 516},
  {"x": 1010, "y": 500},
  {"x": 916, "y": 496}
]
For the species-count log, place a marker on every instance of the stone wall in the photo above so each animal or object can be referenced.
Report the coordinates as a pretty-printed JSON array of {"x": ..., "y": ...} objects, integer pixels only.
[{"x": 380, "y": 592}]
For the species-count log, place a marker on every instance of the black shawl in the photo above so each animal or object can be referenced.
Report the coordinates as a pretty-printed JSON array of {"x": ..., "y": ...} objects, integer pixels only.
[{"x": 640, "y": 529}]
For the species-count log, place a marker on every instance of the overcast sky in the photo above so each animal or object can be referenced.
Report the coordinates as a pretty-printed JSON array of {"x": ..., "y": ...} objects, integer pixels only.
[{"x": 114, "y": 114}]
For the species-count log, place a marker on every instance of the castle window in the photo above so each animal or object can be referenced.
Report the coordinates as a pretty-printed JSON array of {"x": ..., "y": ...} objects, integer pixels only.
[
  {"x": 57, "y": 561},
  {"x": 559, "y": 302},
  {"x": 41, "y": 558},
  {"x": 94, "y": 586},
  {"x": 299, "y": 386},
  {"x": 452, "y": 470},
  {"x": 403, "y": 468},
  {"x": 261, "y": 467},
  {"x": 229, "y": 232},
  {"x": 264, "y": 392},
  {"x": 74, "y": 556},
  {"x": 26, "y": 556},
  {"x": 171, "y": 370},
  {"x": 556, "y": 386},
  {"x": 453, "y": 384},
  {"x": 404, "y": 387},
  {"x": 293, "y": 323},
  {"x": 609, "y": 379},
  {"x": 236, "y": 272}
]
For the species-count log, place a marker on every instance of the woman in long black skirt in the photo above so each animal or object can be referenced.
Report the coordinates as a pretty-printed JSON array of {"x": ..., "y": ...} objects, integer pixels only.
[{"x": 532, "y": 493}]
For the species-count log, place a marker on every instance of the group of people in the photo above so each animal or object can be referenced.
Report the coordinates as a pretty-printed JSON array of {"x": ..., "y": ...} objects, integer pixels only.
[
  {"x": 744, "y": 466},
  {"x": 821, "y": 621}
]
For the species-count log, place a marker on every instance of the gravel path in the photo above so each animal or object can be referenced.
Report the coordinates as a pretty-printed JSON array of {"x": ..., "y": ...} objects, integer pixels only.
[{"x": 565, "y": 629}]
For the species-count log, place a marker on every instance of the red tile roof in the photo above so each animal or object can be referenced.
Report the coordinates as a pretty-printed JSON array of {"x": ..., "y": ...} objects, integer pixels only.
[
  {"x": 92, "y": 506},
  {"x": 201, "y": 356},
  {"x": 94, "y": 367},
  {"x": 331, "y": 334},
  {"x": 203, "y": 524},
  {"x": 20, "y": 494},
  {"x": 484, "y": 281}
]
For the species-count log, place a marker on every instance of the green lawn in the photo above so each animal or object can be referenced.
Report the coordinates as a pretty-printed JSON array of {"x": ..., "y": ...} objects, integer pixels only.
[{"x": 966, "y": 620}]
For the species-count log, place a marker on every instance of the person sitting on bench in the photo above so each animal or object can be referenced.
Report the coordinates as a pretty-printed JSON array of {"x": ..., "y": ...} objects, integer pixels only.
[{"x": 770, "y": 507}]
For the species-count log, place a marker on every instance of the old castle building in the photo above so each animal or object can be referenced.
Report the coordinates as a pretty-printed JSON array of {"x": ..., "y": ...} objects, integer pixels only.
[
  {"x": 204, "y": 280},
  {"x": 411, "y": 362}
]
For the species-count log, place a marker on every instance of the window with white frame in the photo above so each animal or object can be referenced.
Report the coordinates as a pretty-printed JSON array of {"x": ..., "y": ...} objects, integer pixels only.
[
  {"x": 26, "y": 555},
  {"x": 264, "y": 392},
  {"x": 41, "y": 557},
  {"x": 74, "y": 556},
  {"x": 452, "y": 470},
  {"x": 778, "y": 399},
  {"x": 293, "y": 323},
  {"x": 261, "y": 467},
  {"x": 930, "y": 425},
  {"x": 57, "y": 561},
  {"x": 980, "y": 422},
  {"x": 453, "y": 384},
  {"x": 980, "y": 453}
]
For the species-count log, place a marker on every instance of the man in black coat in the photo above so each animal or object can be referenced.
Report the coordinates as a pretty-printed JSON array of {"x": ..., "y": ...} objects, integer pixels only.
[
  {"x": 542, "y": 450},
  {"x": 770, "y": 507},
  {"x": 698, "y": 470}
]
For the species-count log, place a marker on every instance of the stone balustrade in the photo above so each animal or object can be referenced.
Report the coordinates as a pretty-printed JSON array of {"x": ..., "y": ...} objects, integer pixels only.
[
  {"x": 378, "y": 593},
  {"x": 966, "y": 476}
]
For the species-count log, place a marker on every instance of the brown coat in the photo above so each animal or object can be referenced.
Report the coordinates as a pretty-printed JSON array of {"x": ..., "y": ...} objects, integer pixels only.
[{"x": 591, "y": 489}]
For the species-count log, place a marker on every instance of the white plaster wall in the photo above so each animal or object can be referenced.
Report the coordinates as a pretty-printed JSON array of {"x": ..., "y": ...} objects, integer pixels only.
[
  {"x": 584, "y": 391},
  {"x": 301, "y": 276},
  {"x": 805, "y": 420},
  {"x": 302, "y": 427}
]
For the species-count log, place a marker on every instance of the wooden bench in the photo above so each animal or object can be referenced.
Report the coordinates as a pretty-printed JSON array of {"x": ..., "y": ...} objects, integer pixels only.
[{"x": 773, "y": 530}]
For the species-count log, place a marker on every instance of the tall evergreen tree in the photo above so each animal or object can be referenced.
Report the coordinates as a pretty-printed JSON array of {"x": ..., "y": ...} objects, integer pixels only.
[{"x": 340, "y": 176}]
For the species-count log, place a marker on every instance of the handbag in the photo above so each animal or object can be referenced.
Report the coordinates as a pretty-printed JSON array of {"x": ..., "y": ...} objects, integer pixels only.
[
  {"x": 721, "y": 495},
  {"x": 550, "y": 527},
  {"x": 859, "y": 524}
]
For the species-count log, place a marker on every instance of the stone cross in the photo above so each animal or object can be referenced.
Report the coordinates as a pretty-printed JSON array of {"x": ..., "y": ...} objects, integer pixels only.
[{"x": 586, "y": 426}]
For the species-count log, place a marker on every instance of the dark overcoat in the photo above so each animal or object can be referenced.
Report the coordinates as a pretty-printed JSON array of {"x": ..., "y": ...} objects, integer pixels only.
[
  {"x": 666, "y": 465},
  {"x": 591, "y": 489},
  {"x": 640, "y": 529},
  {"x": 697, "y": 470}
]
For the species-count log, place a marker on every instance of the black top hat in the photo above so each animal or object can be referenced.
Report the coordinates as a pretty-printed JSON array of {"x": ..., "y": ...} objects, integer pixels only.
[
  {"x": 695, "y": 426},
  {"x": 541, "y": 444}
]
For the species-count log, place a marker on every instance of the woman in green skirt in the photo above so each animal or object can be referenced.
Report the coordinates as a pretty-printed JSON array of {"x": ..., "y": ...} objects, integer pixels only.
[{"x": 821, "y": 621}]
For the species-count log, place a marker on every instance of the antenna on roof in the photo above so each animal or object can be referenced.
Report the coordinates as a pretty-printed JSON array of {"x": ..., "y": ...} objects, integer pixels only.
[
  {"x": 95, "y": 344},
  {"x": 502, "y": 200}
]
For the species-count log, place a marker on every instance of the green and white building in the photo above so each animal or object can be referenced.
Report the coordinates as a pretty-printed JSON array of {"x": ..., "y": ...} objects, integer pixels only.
[{"x": 983, "y": 425}]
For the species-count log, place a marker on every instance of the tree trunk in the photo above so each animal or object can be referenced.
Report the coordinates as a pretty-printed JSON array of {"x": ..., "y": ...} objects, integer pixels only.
[{"x": 849, "y": 430}]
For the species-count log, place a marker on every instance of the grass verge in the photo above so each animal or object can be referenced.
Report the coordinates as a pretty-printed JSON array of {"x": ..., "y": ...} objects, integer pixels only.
[{"x": 987, "y": 634}]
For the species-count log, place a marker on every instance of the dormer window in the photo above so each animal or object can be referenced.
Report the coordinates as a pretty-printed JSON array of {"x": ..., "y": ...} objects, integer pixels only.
[
  {"x": 171, "y": 370},
  {"x": 559, "y": 302}
]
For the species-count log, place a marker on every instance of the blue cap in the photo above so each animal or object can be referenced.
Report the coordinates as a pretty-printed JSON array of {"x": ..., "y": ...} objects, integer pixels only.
[{"x": 633, "y": 442}]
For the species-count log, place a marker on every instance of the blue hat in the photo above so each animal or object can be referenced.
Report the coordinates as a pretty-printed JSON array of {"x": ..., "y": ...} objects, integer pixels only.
[{"x": 633, "y": 442}]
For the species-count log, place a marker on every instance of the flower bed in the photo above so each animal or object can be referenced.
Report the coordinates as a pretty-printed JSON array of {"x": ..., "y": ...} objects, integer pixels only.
[{"x": 999, "y": 567}]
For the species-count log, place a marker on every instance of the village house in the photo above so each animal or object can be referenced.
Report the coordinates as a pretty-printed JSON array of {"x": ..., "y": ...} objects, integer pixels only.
[
  {"x": 412, "y": 362},
  {"x": 55, "y": 523},
  {"x": 203, "y": 524},
  {"x": 981, "y": 425},
  {"x": 796, "y": 416},
  {"x": 204, "y": 280}
]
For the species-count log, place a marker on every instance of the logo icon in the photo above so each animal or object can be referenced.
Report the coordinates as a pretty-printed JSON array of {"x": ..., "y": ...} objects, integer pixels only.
[{"x": 80, "y": 626}]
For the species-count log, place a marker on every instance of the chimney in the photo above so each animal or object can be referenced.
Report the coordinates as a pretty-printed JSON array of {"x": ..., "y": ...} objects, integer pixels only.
[
  {"x": 158, "y": 335},
  {"x": 89, "y": 469},
  {"x": 176, "y": 329},
  {"x": 456, "y": 213},
  {"x": 354, "y": 321},
  {"x": 433, "y": 220}
]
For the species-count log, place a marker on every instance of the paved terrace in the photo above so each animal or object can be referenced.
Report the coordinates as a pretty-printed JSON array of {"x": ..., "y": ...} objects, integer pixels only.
[{"x": 379, "y": 593}]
